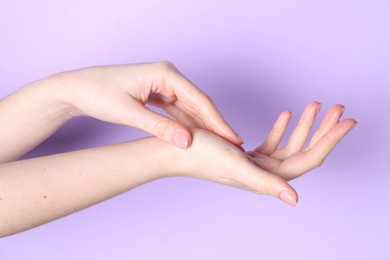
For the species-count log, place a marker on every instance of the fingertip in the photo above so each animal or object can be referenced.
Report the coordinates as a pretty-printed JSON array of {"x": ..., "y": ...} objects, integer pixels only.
[
  {"x": 355, "y": 123},
  {"x": 239, "y": 139},
  {"x": 289, "y": 113},
  {"x": 181, "y": 140},
  {"x": 349, "y": 123},
  {"x": 227, "y": 132},
  {"x": 264, "y": 182},
  {"x": 285, "y": 115},
  {"x": 231, "y": 136},
  {"x": 317, "y": 103},
  {"x": 342, "y": 109},
  {"x": 171, "y": 132},
  {"x": 289, "y": 196},
  {"x": 318, "y": 106}
]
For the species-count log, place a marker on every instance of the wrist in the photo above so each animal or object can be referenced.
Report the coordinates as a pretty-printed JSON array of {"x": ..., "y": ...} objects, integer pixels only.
[
  {"x": 60, "y": 90},
  {"x": 49, "y": 100},
  {"x": 170, "y": 160}
]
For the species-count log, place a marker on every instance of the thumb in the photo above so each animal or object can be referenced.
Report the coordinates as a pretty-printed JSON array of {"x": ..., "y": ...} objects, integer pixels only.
[
  {"x": 162, "y": 127},
  {"x": 264, "y": 182}
]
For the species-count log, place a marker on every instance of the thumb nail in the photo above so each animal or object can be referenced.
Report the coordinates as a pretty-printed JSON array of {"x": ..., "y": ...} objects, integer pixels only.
[
  {"x": 180, "y": 140},
  {"x": 288, "y": 197}
]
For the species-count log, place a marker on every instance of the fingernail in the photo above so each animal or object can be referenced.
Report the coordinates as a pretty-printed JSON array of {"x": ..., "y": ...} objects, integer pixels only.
[
  {"x": 239, "y": 138},
  {"x": 318, "y": 108},
  {"x": 180, "y": 140},
  {"x": 342, "y": 110},
  {"x": 354, "y": 125},
  {"x": 288, "y": 197}
]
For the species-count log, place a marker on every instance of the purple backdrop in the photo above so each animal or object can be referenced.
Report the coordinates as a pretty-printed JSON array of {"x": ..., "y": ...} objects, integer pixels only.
[{"x": 254, "y": 58}]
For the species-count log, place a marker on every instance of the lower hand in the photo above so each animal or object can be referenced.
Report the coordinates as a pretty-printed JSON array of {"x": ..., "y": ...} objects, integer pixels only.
[
  {"x": 293, "y": 160},
  {"x": 267, "y": 169}
]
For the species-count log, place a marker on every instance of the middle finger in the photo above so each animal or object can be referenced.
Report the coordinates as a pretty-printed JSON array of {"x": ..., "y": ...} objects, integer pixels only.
[{"x": 300, "y": 133}]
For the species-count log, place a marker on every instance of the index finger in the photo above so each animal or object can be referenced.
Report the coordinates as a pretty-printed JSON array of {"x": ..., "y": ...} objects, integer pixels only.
[{"x": 201, "y": 106}]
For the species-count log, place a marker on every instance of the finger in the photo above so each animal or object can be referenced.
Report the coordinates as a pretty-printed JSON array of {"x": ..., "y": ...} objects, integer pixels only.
[
  {"x": 318, "y": 153},
  {"x": 263, "y": 161},
  {"x": 274, "y": 138},
  {"x": 263, "y": 182},
  {"x": 314, "y": 157},
  {"x": 159, "y": 100},
  {"x": 300, "y": 133},
  {"x": 159, "y": 125},
  {"x": 183, "y": 118},
  {"x": 172, "y": 106},
  {"x": 331, "y": 119},
  {"x": 197, "y": 104}
]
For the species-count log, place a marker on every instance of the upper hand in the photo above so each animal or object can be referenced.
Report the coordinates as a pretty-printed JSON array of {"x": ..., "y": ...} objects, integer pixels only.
[{"x": 118, "y": 94}]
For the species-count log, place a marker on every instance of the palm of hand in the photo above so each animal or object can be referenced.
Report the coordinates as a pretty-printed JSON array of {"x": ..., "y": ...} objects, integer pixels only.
[
  {"x": 267, "y": 169},
  {"x": 293, "y": 160}
]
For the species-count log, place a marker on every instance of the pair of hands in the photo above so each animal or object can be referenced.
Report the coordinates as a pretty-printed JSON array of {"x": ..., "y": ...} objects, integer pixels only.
[{"x": 118, "y": 94}]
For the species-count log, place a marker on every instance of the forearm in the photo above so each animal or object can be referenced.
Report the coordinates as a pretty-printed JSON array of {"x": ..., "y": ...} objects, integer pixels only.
[
  {"x": 36, "y": 191},
  {"x": 29, "y": 116}
]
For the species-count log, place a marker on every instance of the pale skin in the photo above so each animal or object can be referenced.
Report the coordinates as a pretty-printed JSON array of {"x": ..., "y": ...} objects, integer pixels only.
[
  {"x": 38, "y": 190},
  {"x": 116, "y": 94}
]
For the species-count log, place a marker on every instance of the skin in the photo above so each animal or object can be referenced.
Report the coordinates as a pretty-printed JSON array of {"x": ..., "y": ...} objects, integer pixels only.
[
  {"x": 116, "y": 94},
  {"x": 39, "y": 190}
]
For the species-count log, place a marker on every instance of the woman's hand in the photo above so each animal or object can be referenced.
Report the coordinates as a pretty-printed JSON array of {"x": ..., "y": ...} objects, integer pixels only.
[
  {"x": 267, "y": 169},
  {"x": 214, "y": 159},
  {"x": 293, "y": 160},
  {"x": 118, "y": 94}
]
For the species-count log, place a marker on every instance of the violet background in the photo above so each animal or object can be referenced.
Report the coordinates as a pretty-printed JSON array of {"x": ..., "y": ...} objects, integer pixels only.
[{"x": 255, "y": 59}]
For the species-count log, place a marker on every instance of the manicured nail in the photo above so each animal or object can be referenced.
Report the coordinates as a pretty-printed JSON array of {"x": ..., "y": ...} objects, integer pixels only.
[
  {"x": 318, "y": 108},
  {"x": 354, "y": 125},
  {"x": 342, "y": 110},
  {"x": 288, "y": 197},
  {"x": 239, "y": 138},
  {"x": 180, "y": 140}
]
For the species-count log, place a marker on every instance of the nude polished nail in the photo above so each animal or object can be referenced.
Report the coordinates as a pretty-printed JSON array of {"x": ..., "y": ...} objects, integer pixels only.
[
  {"x": 288, "y": 197},
  {"x": 354, "y": 126},
  {"x": 180, "y": 140},
  {"x": 239, "y": 138},
  {"x": 318, "y": 108}
]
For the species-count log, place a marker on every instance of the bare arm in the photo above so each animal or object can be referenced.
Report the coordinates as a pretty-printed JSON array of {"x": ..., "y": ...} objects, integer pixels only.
[
  {"x": 28, "y": 117},
  {"x": 35, "y": 191},
  {"x": 115, "y": 94}
]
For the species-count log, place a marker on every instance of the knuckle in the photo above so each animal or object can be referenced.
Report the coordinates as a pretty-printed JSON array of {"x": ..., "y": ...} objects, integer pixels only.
[
  {"x": 319, "y": 163},
  {"x": 206, "y": 104},
  {"x": 330, "y": 139},
  {"x": 262, "y": 186},
  {"x": 161, "y": 127},
  {"x": 166, "y": 65},
  {"x": 314, "y": 159}
]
